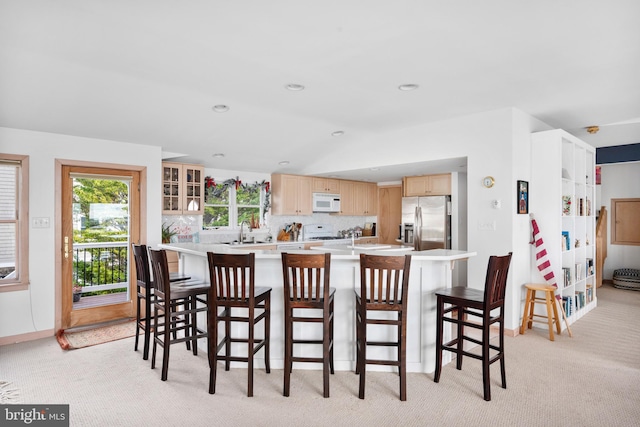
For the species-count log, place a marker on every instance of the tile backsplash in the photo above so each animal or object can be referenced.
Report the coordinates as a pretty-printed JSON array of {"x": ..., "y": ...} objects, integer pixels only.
[{"x": 189, "y": 224}]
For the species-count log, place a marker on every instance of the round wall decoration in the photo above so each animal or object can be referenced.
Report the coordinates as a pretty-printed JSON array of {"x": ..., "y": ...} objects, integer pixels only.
[{"x": 488, "y": 181}]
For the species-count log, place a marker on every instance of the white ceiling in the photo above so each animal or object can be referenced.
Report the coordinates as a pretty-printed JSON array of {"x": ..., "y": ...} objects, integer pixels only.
[{"x": 150, "y": 71}]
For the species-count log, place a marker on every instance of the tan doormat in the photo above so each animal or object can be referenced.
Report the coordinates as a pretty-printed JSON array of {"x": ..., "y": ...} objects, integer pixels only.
[{"x": 70, "y": 340}]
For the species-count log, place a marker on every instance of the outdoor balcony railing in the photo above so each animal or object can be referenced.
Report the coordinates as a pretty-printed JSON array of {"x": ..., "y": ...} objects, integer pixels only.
[{"x": 100, "y": 266}]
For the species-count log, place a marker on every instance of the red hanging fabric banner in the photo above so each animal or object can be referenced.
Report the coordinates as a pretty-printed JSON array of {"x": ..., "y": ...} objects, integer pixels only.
[{"x": 542, "y": 258}]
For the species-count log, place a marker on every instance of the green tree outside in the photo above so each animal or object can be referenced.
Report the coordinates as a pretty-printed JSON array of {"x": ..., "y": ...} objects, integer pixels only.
[{"x": 100, "y": 215}]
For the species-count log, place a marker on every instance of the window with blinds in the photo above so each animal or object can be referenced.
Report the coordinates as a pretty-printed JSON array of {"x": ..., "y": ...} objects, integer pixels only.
[{"x": 14, "y": 222}]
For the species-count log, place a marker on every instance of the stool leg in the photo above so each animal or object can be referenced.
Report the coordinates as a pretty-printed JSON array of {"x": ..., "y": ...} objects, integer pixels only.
[
  {"x": 555, "y": 315},
  {"x": 486, "y": 381},
  {"x": 332, "y": 370},
  {"x": 362, "y": 360},
  {"x": 251, "y": 351},
  {"x": 527, "y": 312},
  {"x": 194, "y": 323},
  {"x": 288, "y": 339},
  {"x": 227, "y": 335},
  {"x": 326, "y": 336},
  {"x": 267, "y": 334},
  {"x": 439, "y": 328},
  {"x": 532, "y": 309},
  {"x": 147, "y": 325},
  {"x": 459, "y": 340},
  {"x": 547, "y": 296},
  {"x": 212, "y": 326}
]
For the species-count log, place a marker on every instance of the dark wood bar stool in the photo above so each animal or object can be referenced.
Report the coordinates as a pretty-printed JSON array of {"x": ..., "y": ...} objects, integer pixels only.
[
  {"x": 144, "y": 295},
  {"x": 233, "y": 287},
  {"x": 478, "y": 303},
  {"x": 175, "y": 309},
  {"x": 384, "y": 283},
  {"x": 306, "y": 286}
]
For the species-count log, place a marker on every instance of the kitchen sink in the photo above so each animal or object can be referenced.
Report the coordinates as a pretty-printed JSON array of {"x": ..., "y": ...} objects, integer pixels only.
[
  {"x": 246, "y": 242},
  {"x": 369, "y": 246}
]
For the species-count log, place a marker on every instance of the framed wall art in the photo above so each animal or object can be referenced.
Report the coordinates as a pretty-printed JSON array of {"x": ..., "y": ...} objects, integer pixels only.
[{"x": 523, "y": 197}]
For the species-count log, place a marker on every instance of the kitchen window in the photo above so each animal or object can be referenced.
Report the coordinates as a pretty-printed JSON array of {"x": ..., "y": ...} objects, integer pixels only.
[
  {"x": 229, "y": 203},
  {"x": 217, "y": 206},
  {"x": 14, "y": 222}
]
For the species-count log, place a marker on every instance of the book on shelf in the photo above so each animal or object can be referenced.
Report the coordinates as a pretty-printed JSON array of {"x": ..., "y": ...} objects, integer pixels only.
[
  {"x": 566, "y": 276},
  {"x": 568, "y": 305},
  {"x": 580, "y": 206},
  {"x": 566, "y": 241},
  {"x": 580, "y": 300},
  {"x": 589, "y": 293},
  {"x": 579, "y": 271},
  {"x": 589, "y": 263}
]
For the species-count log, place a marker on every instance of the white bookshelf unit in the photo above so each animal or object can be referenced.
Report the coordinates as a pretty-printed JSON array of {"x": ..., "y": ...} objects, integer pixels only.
[{"x": 562, "y": 201}]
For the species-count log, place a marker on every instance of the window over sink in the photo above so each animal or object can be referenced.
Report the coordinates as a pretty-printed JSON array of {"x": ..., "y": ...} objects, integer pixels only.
[{"x": 229, "y": 203}]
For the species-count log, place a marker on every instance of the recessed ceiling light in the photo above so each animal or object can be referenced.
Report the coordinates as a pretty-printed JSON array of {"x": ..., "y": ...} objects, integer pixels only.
[
  {"x": 284, "y": 163},
  {"x": 410, "y": 86},
  {"x": 218, "y": 155},
  {"x": 374, "y": 169},
  {"x": 337, "y": 133},
  {"x": 294, "y": 87},
  {"x": 220, "y": 108}
]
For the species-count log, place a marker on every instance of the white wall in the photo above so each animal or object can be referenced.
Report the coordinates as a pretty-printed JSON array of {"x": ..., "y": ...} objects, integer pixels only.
[
  {"x": 619, "y": 181},
  {"x": 33, "y": 310}
]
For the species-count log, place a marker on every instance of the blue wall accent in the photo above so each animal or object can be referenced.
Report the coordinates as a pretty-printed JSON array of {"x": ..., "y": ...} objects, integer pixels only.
[{"x": 618, "y": 154}]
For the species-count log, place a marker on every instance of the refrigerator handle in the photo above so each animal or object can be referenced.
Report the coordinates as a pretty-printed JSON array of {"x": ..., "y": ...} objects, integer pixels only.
[{"x": 417, "y": 232}]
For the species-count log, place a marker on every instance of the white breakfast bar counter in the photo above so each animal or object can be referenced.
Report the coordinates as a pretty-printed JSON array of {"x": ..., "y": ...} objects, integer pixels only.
[{"x": 430, "y": 270}]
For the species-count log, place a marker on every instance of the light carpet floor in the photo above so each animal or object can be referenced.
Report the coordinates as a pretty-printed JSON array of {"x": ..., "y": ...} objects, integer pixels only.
[{"x": 592, "y": 379}]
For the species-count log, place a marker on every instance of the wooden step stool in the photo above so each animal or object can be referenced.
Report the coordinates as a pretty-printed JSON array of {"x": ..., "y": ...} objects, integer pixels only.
[{"x": 552, "y": 309}]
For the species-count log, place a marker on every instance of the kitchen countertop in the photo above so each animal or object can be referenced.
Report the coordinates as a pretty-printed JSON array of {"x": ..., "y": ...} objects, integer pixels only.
[{"x": 338, "y": 251}]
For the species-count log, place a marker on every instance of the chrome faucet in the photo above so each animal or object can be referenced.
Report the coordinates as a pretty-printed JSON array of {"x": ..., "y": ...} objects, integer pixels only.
[{"x": 242, "y": 231}]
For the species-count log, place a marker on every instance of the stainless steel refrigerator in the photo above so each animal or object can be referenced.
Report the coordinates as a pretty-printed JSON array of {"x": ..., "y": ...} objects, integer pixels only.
[{"x": 426, "y": 222}]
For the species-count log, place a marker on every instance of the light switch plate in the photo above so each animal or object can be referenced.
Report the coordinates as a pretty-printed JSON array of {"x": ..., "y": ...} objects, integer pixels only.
[
  {"x": 489, "y": 226},
  {"x": 40, "y": 222}
]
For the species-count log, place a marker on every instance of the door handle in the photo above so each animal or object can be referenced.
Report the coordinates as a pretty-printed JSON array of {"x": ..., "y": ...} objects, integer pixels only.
[{"x": 66, "y": 247}]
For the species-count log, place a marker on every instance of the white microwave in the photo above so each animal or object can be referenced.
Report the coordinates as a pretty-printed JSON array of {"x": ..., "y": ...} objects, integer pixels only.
[{"x": 323, "y": 202}]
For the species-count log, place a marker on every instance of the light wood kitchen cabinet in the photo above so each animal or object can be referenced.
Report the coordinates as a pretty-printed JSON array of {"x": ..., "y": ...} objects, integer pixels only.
[
  {"x": 389, "y": 214},
  {"x": 358, "y": 198},
  {"x": 427, "y": 185},
  {"x": 366, "y": 198},
  {"x": 326, "y": 185},
  {"x": 182, "y": 189},
  {"x": 291, "y": 195},
  {"x": 347, "y": 200}
]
